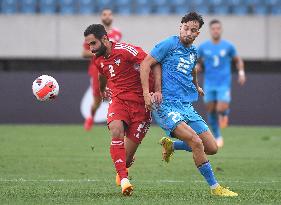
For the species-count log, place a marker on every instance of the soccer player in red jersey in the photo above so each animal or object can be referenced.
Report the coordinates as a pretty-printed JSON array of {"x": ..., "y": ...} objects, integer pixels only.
[
  {"x": 114, "y": 35},
  {"x": 118, "y": 63}
]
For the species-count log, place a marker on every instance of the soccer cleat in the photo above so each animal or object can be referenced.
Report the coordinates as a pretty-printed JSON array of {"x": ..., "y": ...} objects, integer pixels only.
[
  {"x": 117, "y": 178},
  {"x": 220, "y": 142},
  {"x": 168, "y": 150},
  {"x": 223, "y": 121},
  {"x": 88, "y": 123},
  {"x": 127, "y": 187},
  {"x": 221, "y": 191}
]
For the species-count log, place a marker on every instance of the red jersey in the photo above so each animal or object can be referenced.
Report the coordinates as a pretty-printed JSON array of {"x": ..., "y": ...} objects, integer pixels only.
[{"x": 122, "y": 71}]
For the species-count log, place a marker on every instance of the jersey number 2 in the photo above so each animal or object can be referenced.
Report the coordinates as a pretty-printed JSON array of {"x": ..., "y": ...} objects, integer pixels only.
[{"x": 111, "y": 70}]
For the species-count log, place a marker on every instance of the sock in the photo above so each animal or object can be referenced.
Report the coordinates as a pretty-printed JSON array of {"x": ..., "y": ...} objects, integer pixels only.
[
  {"x": 213, "y": 120},
  {"x": 180, "y": 145},
  {"x": 206, "y": 170},
  {"x": 118, "y": 156}
]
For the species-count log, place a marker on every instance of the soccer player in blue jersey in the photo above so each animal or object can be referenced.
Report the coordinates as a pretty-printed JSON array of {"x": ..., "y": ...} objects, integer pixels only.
[
  {"x": 216, "y": 56},
  {"x": 174, "y": 111}
]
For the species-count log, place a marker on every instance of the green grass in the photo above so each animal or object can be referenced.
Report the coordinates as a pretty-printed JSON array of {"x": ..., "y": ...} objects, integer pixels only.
[{"x": 65, "y": 165}]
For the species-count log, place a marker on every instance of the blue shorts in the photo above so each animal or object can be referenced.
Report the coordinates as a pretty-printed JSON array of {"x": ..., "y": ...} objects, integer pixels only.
[
  {"x": 169, "y": 114},
  {"x": 222, "y": 94}
]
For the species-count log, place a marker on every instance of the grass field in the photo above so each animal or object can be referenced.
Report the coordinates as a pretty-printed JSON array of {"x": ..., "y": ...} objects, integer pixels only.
[{"x": 65, "y": 165}]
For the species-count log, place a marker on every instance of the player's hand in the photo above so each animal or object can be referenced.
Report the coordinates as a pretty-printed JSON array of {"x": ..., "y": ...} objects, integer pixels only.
[
  {"x": 200, "y": 91},
  {"x": 157, "y": 98},
  {"x": 106, "y": 95},
  {"x": 148, "y": 100},
  {"x": 241, "y": 79}
]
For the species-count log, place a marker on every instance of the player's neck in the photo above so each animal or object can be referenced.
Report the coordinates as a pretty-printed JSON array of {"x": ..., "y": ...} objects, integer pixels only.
[
  {"x": 108, "y": 50},
  {"x": 216, "y": 41}
]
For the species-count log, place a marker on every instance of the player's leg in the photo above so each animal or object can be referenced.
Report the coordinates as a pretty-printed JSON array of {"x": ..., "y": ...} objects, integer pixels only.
[
  {"x": 118, "y": 154},
  {"x": 186, "y": 134},
  {"x": 222, "y": 107}
]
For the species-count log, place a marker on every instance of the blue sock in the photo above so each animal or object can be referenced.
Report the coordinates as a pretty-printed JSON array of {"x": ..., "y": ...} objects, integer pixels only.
[
  {"x": 213, "y": 120},
  {"x": 207, "y": 172},
  {"x": 180, "y": 145}
]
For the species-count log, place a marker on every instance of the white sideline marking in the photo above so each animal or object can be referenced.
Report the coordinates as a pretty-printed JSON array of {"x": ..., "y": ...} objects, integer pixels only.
[
  {"x": 145, "y": 181},
  {"x": 48, "y": 180}
]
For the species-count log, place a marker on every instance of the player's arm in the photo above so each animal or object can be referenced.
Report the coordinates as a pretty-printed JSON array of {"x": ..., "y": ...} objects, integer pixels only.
[
  {"x": 87, "y": 54},
  {"x": 145, "y": 68},
  {"x": 157, "y": 74},
  {"x": 195, "y": 82},
  {"x": 239, "y": 63},
  {"x": 102, "y": 83},
  {"x": 199, "y": 65}
]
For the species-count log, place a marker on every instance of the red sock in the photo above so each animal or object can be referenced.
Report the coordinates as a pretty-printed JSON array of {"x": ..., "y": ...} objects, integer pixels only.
[{"x": 118, "y": 156}]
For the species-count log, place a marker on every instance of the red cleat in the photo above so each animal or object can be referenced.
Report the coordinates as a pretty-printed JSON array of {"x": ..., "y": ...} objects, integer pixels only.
[{"x": 88, "y": 123}]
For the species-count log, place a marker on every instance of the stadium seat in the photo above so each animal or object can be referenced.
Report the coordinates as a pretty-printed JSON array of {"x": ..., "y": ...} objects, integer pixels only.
[
  {"x": 9, "y": 6},
  {"x": 221, "y": 10},
  {"x": 182, "y": 9},
  {"x": 216, "y": 2},
  {"x": 102, "y": 4},
  {"x": 143, "y": 7},
  {"x": 47, "y": 6},
  {"x": 86, "y": 7},
  {"x": 260, "y": 10},
  {"x": 276, "y": 10},
  {"x": 163, "y": 10},
  {"x": 240, "y": 10},
  {"x": 28, "y": 6},
  {"x": 67, "y": 7},
  {"x": 234, "y": 2},
  {"x": 124, "y": 10},
  {"x": 202, "y": 9},
  {"x": 179, "y": 3}
]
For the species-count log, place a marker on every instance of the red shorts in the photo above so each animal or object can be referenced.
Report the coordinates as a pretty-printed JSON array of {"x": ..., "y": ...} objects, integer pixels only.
[
  {"x": 94, "y": 73},
  {"x": 133, "y": 114}
]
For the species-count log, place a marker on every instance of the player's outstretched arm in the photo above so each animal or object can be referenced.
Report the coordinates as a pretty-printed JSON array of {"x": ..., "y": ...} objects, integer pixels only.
[
  {"x": 102, "y": 82},
  {"x": 195, "y": 82},
  {"x": 199, "y": 65},
  {"x": 145, "y": 69},
  {"x": 157, "y": 74},
  {"x": 239, "y": 63}
]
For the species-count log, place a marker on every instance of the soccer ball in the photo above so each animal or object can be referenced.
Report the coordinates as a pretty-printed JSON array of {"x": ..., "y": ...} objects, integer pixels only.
[{"x": 45, "y": 88}]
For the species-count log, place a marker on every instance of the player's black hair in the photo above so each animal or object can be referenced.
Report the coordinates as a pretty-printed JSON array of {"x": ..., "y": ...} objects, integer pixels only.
[
  {"x": 193, "y": 16},
  {"x": 97, "y": 30},
  {"x": 214, "y": 21}
]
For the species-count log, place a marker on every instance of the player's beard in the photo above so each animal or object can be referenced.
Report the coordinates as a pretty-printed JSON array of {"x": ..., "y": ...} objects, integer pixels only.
[
  {"x": 101, "y": 51},
  {"x": 107, "y": 22}
]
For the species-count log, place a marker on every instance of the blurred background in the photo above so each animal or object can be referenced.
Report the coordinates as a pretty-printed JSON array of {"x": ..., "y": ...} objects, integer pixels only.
[{"x": 46, "y": 37}]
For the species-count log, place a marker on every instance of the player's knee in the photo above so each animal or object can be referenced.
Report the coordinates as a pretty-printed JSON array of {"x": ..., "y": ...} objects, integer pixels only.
[
  {"x": 196, "y": 142},
  {"x": 116, "y": 131},
  {"x": 212, "y": 150}
]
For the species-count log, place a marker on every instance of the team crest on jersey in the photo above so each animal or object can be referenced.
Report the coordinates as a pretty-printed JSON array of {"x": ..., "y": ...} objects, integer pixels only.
[
  {"x": 101, "y": 65},
  {"x": 117, "y": 61},
  {"x": 222, "y": 53}
]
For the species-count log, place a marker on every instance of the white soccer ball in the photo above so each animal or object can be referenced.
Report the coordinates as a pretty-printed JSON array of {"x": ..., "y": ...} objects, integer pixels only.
[{"x": 45, "y": 88}]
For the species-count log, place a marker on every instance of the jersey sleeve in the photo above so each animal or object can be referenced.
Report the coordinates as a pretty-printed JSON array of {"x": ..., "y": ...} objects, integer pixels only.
[
  {"x": 232, "y": 51},
  {"x": 161, "y": 49},
  {"x": 135, "y": 54}
]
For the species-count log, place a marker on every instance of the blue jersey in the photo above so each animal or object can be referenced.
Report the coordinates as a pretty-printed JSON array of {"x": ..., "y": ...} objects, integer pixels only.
[
  {"x": 217, "y": 62},
  {"x": 177, "y": 63}
]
